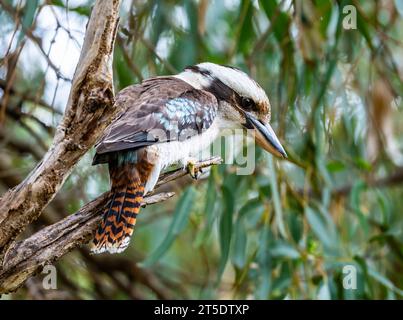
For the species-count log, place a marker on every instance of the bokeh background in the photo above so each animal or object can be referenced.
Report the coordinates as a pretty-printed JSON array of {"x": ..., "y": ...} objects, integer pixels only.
[{"x": 284, "y": 232}]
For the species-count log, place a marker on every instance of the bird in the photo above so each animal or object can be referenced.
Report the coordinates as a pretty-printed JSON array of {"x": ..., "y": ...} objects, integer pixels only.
[{"x": 168, "y": 120}]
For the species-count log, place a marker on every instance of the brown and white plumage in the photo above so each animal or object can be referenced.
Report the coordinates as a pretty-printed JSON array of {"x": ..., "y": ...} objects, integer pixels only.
[{"x": 167, "y": 120}]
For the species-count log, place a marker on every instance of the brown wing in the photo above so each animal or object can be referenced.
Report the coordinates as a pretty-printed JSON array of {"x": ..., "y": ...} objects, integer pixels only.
[{"x": 158, "y": 110}]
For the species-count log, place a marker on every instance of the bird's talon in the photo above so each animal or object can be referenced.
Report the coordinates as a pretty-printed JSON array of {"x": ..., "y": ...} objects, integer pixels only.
[{"x": 192, "y": 170}]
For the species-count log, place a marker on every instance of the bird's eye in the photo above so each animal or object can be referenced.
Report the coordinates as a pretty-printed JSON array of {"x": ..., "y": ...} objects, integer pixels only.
[{"x": 247, "y": 103}]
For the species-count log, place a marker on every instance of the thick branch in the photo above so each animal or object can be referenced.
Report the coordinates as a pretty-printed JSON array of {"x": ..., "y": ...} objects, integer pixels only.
[
  {"x": 89, "y": 110},
  {"x": 395, "y": 178},
  {"x": 26, "y": 258}
]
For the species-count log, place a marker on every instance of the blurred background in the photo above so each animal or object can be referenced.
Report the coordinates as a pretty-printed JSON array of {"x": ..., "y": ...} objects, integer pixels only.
[{"x": 295, "y": 229}]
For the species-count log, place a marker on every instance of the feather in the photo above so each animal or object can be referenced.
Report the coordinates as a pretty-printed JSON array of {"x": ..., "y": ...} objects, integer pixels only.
[{"x": 159, "y": 110}]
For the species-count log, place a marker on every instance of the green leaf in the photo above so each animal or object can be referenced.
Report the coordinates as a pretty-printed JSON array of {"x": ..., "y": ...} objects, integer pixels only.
[
  {"x": 335, "y": 166},
  {"x": 82, "y": 10},
  {"x": 179, "y": 221},
  {"x": 358, "y": 188},
  {"x": 363, "y": 164},
  {"x": 284, "y": 250},
  {"x": 320, "y": 147},
  {"x": 276, "y": 197},
  {"x": 28, "y": 17},
  {"x": 252, "y": 210},
  {"x": 209, "y": 208},
  {"x": 365, "y": 284},
  {"x": 279, "y": 19},
  {"x": 225, "y": 229},
  {"x": 240, "y": 241},
  {"x": 318, "y": 226},
  {"x": 384, "y": 281},
  {"x": 246, "y": 28},
  {"x": 362, "y": 26},
  {"x": 264, "y": 281},
  {"x": 295, "y": 225},
  {"x": 123, "y": 75}
]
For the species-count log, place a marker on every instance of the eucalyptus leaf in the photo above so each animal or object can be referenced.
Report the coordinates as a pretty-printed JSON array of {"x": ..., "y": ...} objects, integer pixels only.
[
  {"x": 28, "y": 17},
  {"x": 179, "y": 221},
  {"x": 225, "y": 228}
]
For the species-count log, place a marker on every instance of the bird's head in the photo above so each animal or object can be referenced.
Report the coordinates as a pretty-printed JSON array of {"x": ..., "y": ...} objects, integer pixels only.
[{"x": 242, "y": 101}]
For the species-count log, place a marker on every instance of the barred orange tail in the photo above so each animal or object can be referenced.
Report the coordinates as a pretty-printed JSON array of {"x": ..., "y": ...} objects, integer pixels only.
[{"x": 116, "y": 228}]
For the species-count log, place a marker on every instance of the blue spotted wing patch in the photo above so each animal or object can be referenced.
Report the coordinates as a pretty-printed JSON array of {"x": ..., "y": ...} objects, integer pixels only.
[{"x": 183, "y": 115}]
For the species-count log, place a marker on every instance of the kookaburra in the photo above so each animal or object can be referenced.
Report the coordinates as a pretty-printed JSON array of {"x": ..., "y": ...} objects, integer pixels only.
[{"x": 168, "y": 120}]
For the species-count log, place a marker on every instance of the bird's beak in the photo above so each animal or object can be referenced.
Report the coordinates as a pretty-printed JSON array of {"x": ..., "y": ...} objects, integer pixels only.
[{"x": 265, "y": 136}]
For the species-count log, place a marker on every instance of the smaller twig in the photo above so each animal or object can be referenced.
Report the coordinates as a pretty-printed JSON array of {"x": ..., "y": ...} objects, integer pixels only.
[
  {"x": 156, "y": 198},
  {"x": 178, "y": 173},
  {"x": 29, "y": 33}
]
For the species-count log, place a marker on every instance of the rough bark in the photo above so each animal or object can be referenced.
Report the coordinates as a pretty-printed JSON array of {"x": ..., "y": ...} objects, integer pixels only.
[
  {"x": 26, "y": 258},
  {"x": 89, "y": 110}
]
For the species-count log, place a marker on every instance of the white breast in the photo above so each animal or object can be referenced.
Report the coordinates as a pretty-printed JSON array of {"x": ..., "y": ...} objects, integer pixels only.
[
  {"x": 175, "y": 151},
  {"x": 179, "y": 151}
]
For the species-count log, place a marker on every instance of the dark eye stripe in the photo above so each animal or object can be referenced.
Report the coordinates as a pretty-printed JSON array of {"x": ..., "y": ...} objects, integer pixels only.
[{"x": 224, "y": 93}]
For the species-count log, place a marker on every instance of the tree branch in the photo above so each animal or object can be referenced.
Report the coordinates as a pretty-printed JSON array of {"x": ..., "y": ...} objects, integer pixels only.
[
  {"x": 26, "y": 258},
  {"x": 391, "y": 180},
  {"x": 89, "y": 110}
]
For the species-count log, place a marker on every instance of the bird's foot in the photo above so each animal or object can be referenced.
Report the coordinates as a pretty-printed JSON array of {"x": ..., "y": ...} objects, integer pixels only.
[{"x": 190, "y": 166}]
